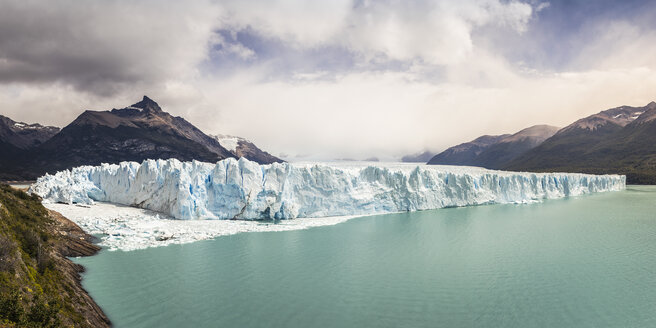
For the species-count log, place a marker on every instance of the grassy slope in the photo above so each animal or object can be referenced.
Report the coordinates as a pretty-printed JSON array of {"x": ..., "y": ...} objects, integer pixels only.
[{"x": 39, "y": 287}]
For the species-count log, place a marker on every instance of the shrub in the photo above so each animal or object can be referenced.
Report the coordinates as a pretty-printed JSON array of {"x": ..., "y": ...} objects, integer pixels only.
[
  {"x": 7, "y": 251},
  {"x": 11, "y": 307},
  {"x": 44, "y": 314},
  {"x": 31, "y": 243}
]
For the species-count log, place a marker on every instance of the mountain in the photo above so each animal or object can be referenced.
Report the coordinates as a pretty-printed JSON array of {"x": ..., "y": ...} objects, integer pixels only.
[
  {"x": 22, "y": 135},
  {"x": 418, "y": 158},
  {"x": 495, "y": 151},
  {"x": 16, "y": 138},
  {"x": 11, "y": 158},
  {"x": 244, "y": 148},
  {"x": 466, "y": 153},
  {"x": 508, "y": 148},
  {"x": 134, "y": 133},
  {"x": 619, "y": 140}
]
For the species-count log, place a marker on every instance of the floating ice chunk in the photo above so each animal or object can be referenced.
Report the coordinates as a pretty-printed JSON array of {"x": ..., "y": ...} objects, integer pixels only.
[
  {"x": 128, "y": 228},
  {"x": 241, "y": 189}
]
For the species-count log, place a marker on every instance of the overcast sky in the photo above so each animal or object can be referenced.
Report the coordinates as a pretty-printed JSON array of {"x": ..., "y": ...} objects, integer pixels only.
[{"x": 331, "y": 79}]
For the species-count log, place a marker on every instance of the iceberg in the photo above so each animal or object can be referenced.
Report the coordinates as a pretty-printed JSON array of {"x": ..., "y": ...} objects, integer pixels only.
[{"x": 242, "y": 189}]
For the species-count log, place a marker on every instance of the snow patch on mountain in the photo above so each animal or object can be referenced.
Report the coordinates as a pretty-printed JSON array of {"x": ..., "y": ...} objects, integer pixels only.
[{"x": 228, "y": 142}]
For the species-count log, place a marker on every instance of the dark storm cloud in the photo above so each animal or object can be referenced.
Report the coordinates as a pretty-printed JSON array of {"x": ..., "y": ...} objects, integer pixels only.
[{"x": 101, "y": 47}]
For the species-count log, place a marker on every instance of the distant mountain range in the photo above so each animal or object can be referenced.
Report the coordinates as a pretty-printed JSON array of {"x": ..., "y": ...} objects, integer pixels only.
[
  {"x": 494, "y": 151},
  {"x": 133, "y": 133},
  {"x": 422, "y": 157},
  {"x": 620, "y": 140},
  {"x": 23, "y": 135}
]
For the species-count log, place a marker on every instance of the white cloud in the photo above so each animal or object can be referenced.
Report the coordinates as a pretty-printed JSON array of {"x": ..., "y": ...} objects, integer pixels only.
[
  {"x": 301, "y": 23},
  {"x": 389, "y": 114},
  {"x": 436, "y": 32},
  {"x": 617, "y": 44}
]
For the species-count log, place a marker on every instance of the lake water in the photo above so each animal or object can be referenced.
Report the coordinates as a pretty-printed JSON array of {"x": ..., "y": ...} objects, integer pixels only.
[{"x": 580, "y": 262}]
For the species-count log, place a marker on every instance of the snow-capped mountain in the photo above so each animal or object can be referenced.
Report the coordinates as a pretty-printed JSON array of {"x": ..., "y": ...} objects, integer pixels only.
[
  {"x": 609, "y": 119},
  {"x": 134, "y": 133},
  {"x": 619, "y": 140},
  {"x": 24, "y": 135}
]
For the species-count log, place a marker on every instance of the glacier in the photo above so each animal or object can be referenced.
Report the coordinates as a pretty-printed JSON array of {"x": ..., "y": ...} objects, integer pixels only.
[{"x": 242, "y": 189}]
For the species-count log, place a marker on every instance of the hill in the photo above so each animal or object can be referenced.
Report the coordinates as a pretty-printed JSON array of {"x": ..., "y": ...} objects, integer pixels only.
[
  {"x": 494, "y": 151},
  {"x": 39, "y": 285},
  {"x": 466, "y": 153},
  {"x": 620, "y": 140}
]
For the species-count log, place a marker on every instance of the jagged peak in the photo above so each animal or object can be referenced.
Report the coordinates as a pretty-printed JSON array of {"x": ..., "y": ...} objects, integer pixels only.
[{"x": 148, "y": 105}]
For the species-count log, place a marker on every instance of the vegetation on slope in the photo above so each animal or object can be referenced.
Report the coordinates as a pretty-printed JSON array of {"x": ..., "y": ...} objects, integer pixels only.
[{"x": 39, "y": 286}]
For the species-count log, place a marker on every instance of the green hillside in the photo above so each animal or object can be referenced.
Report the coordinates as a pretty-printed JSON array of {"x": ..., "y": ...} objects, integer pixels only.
[{"x": 39, "y": 286}]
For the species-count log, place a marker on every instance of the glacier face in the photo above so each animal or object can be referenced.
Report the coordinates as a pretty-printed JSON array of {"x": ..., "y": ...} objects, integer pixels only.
[{"x": 241, "y": 189}]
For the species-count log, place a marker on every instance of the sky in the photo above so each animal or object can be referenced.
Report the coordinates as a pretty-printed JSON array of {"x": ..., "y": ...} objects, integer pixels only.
[{"x": 331, "y": 79}]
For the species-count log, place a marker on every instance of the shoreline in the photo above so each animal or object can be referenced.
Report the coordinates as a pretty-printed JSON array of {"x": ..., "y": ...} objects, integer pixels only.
[
  {"x": 75, "y": 243},
  {"x": 63, "y": 239}
]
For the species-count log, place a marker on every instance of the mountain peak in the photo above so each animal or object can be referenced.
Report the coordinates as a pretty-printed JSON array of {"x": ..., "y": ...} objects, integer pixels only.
[
  {"x": 148, "y": 105},
  {"x": 537, "y": 132},
  {"x": 24, "y": 135},
  {"x": 648, "y": 115}
]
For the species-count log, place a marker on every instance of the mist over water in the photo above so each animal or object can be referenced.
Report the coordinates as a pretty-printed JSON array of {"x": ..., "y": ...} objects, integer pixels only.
[{"x": 577, "y": 262}]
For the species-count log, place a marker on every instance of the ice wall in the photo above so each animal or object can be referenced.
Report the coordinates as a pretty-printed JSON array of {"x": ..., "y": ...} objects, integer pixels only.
[{"x": 241, "y": 189}]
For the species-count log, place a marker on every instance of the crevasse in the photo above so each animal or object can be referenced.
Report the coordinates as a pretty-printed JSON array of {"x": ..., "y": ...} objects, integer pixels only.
[{"x": 241, "y": 189}]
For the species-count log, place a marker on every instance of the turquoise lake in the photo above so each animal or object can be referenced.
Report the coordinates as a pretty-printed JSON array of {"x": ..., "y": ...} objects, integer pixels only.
[{"x": 580, "y": 262}]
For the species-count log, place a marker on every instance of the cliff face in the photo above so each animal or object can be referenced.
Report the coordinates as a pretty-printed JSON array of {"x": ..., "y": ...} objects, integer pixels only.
[{"x": 39, "y": 285}]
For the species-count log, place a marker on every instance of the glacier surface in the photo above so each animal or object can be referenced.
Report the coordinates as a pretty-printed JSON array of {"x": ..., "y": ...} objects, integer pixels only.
[{"x": 241, "y": 189}]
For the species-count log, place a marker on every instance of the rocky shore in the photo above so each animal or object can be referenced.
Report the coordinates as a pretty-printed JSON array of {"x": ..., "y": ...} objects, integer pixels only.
[
  {"x": 76, "y": 242},
  {"x": 39, "y": 285}
]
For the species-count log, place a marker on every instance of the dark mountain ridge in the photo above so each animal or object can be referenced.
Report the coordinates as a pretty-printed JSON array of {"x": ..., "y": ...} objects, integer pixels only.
[
  {"x": 134, "y": 133},
  {"x": 466, "y": 153},
  {"x": 494, "y": 151},
  {"x": 508, "y": 148},
  {"x": 22, "y": 135}
]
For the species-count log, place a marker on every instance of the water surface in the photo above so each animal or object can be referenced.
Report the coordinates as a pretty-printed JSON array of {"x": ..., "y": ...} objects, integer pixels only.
[{"x": 580, "y": 262}]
